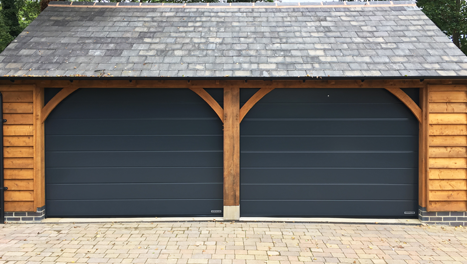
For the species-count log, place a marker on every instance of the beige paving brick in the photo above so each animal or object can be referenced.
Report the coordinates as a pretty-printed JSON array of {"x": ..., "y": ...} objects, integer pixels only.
[
  {"x": 197, "y": 261},
  {"x": 231, "y": 243}
]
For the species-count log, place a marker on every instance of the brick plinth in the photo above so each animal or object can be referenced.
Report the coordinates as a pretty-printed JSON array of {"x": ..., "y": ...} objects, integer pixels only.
[
  {"x": 442, "y": 218},
  {"x": 25, "y": 217}
]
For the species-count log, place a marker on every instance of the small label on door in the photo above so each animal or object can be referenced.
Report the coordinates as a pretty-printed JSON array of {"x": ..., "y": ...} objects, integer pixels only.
[
  {"x": 216, "y": 211},
  {"x": 409, "y": 212}
]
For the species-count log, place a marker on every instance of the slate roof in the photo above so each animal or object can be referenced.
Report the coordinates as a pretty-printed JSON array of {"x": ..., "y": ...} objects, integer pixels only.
[{"x": 380, "y": 39}]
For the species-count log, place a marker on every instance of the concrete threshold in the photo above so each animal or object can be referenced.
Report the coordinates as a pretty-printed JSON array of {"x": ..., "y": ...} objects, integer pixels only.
[
  {"x": 129, "y": 220},
  {"x": 363, "y": 221}
]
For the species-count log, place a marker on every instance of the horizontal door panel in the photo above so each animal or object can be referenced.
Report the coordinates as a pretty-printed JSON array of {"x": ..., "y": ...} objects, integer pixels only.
[
  {"x": 327, "y": 110},
  {"x": 329, "y": 175},
  {"x": 328, "y": 143},
  {"x": 364, "y": 126},
  {"x": 127, "y": 190},
  {"x": 132, "y": 104},
  {"x": 133, "y": 143},
  {"x": 128, "y": 208},
  {"x": 138, "y": 110},
  {"x": 331, "y": 191},
  {"x": 134, "y": 175},
  {"x": 333, "y": 160},
  {"x": 206, "y": 126},
  {"x": 61, "y": 159},
  {"x": 330, "y": 96},
  {"x": 381, "y": 209}
]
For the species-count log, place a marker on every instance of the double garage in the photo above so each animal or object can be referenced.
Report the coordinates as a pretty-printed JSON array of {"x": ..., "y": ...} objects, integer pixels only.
[{"x": 159, "y": 152}]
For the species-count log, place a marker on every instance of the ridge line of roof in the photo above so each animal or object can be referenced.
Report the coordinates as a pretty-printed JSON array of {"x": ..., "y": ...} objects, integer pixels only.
[{"x": 234, "y": 5}]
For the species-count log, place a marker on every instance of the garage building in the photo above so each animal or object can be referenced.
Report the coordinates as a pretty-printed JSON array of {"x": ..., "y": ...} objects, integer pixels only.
[{"x": 234, "y": 110}]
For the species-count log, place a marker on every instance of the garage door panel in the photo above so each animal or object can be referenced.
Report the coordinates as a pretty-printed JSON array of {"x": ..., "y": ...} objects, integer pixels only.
[
  {"x": 341, "y": 191},
  {"x": 133, "y": 152},
  {"x": 333, "y": 160},
  {"x": 327, "y": 110},
  {"x": 137, "y": 175},
  {"x": 328, "y": 208},
  {"x": 329, "y": 143},
  {"x": 132, "y": 143},
  {"x": 251, "y": 126},
  {"x": 329, "y": 152},
  {"x": 181, "y": 126},
  {"x": 131, "y": 190},
  {"x": 141, "y": 207},
  {"x": 329, "y": 175}
]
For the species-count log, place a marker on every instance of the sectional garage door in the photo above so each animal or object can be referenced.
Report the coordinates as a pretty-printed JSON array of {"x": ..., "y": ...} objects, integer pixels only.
[
  {"x": 133, "y": 152},
  {"x": 329, "y": 152}
]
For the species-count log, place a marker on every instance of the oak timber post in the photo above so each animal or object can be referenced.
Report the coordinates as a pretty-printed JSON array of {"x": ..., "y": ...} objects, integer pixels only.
[
  {"x": 231, "y": 153},
  {"x": 423, "y": 149},
  {"x": 39, "y": 149}
]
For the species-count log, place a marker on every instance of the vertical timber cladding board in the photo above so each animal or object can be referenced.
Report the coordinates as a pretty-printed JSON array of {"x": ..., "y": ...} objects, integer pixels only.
[
  {"x": 447, "y": 179},
  {"x": 18, "y": 150}
]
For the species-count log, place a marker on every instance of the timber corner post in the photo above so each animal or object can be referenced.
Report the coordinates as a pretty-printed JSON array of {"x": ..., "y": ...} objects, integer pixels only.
[
  {"x": 39, "y": 149},
  {"x": 423, "y": 153},
  {"x": 231, "y": 153}
]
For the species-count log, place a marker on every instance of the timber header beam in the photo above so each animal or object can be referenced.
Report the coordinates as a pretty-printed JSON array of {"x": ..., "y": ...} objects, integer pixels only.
[{"x": 190, "y": 84}]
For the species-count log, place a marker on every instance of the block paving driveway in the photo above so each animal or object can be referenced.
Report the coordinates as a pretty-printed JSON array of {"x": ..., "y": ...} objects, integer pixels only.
[{"x": 231, "y": 243}]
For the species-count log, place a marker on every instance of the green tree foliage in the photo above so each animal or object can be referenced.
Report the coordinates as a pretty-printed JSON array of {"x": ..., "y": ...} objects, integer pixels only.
[
  {"x": 450, "y": 16},
  {"x": 10, "y": 18},
  {"x": 5, "y": 37},
  {"x": 27, "y": 11},
  {"x": 15, "y": 16}
]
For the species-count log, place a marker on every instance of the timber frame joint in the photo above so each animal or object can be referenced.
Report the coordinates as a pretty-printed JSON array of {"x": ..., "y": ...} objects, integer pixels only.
[
  {"x": 416, "y": 110},
  {"x": 211, "y": 102},
  {"x": 57, "y": 99},
  {"x": 252, "y": 101}
]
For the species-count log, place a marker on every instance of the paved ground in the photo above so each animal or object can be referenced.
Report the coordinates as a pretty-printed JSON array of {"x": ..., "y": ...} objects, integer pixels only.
[{"x": 231, "y": 243}]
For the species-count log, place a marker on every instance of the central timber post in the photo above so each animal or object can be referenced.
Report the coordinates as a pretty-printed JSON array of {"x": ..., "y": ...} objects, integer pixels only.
[{"x": 231, "y": 153}]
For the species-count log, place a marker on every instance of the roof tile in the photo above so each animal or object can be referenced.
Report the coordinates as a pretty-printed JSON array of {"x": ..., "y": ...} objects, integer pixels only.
[{"x": 355, "y": 40}]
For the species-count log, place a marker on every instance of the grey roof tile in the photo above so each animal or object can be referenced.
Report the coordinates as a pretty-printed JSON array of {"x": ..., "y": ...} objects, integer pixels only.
[{"x": 186, "y": 41}]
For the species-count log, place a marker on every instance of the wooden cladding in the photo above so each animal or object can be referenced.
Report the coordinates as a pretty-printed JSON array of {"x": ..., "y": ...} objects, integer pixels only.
[
  {"x": 447, "y": 96},
  {"x": 447, "y": 162},
  {"x": 448, "y": 107},
  {"x": 448, "y": 130},
  {"x": 18, "y": 148}
]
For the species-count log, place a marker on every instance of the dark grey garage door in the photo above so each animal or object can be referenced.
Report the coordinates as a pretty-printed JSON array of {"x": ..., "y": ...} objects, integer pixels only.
[
  {"x": 133, "y": 152},
  {"x": 329, "y": 152}
]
